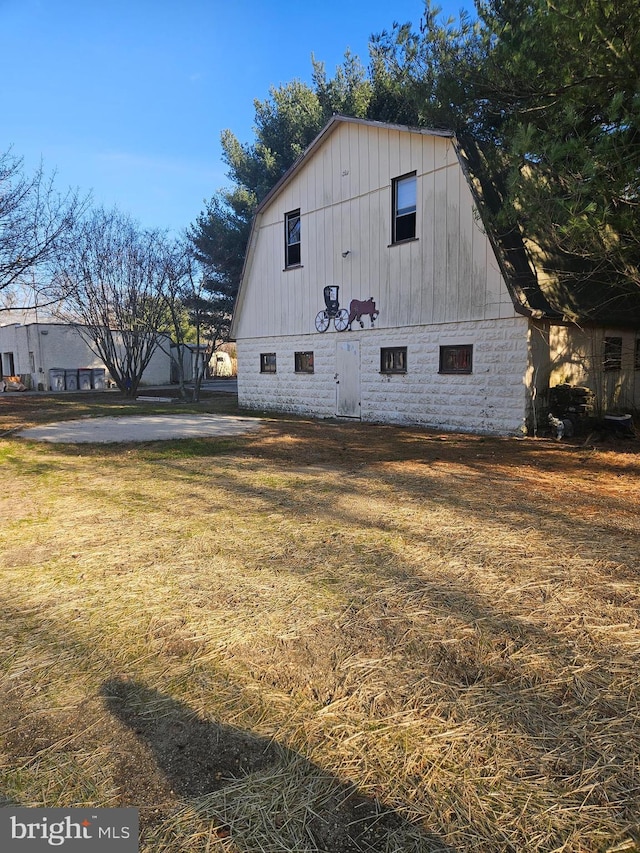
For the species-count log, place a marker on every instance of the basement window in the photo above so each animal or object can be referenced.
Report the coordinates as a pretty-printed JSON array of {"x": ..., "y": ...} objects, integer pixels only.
[
  {"x": 393, "y": 360},
  {"x": 456, "y": 359},
  {"x": 612, "y": 354},
  {"x": 304, "y": 362},
  {"x": 267, "y": 362}
]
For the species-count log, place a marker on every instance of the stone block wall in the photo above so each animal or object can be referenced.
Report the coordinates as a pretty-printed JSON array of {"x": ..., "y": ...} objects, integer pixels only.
[{"x": 491, "y": 399}]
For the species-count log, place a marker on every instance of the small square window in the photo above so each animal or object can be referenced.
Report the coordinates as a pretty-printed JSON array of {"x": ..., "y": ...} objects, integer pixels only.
[
  {"x": 612, "y": 353},
  {"x": 267, "y": 362},
  {"x": 456, "y": 359},
  {"x": 393, "y": 360},
  {"x": 304, "y": 362},
  {"x": 292, "y": 239},
  {"x": 404, "y": 208}
]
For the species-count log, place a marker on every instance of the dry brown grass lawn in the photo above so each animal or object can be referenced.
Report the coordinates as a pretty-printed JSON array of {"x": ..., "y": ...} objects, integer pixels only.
[{"x": 325, "y": 637}]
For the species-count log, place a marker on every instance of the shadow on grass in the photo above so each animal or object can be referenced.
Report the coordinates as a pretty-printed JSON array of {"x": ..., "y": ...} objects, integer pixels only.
[{"x": 260, "y": 793}]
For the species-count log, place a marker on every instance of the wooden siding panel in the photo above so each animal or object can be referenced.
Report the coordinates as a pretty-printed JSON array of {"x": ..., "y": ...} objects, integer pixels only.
[
  {"x": 322, "y": 194},
  {"x": 481, "y": 251},
  {"x": 440, "y": 266},
  {"x": 428, "y": 153},
  {"x": 416, "y": 283},
  {"x": 409, "y": 309},
  {"x": 334, "y": 166},
  {"x": 395, "y": 168},
  {"x": 407, "y": 158},
  {"x": 341, "y": 164},
  {"x": 441, "y": 151},
  {"x": 465, "y": 309},
  {"x": 364, "y": 246},
  {"x": 384, "y": 161},
  {"x": 344, "y": 193},
  {"x": 381, "y": 222},
  {"x": 348, "y": 220},
  {"x": 302, "y": 298},
  {"x": 269, "y": 268},
  {"x": 367, "y": 160},
  {"x": 453, "y": 243},
  {"x": 353, "y": 163},
  {"x": 315, "y": 239},
  {"x": 427, "y": 241}
]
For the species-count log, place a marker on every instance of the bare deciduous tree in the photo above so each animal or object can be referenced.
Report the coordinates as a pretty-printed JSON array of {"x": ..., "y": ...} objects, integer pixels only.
[
  {"x": 113, "y": 286},
  {"x": 192, "y": 315},
  {"x": 36, "y": 227}
]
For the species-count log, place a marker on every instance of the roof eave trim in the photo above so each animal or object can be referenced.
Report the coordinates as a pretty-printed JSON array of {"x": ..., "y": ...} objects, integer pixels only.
[{"x": 326, "y": 131}]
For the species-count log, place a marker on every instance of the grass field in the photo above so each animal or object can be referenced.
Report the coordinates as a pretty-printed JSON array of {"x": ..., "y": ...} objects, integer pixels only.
[{"x": 323, "y": 636}]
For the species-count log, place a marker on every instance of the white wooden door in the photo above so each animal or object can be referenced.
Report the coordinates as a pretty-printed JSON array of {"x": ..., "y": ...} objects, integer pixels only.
[{"x": 348, "y": 379}]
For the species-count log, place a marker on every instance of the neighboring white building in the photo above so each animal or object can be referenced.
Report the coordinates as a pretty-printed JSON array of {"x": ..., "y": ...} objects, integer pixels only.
[
  {"x": 56, "y": 357},
  {"x": 457, "y": 341}
]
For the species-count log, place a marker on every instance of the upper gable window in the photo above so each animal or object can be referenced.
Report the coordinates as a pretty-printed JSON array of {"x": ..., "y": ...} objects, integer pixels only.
[
  {"x": 292, "y": 239},
  {"x": 404, "y": 208}
]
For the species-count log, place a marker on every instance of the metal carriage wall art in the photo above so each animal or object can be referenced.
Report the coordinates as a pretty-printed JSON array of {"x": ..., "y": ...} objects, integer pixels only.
[
  {"x": 333, "y": 311},
  {"x": 342, "y": 319}
]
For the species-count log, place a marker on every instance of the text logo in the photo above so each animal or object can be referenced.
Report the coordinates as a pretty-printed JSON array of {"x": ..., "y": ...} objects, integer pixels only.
[{"x": 24, "y": 830}]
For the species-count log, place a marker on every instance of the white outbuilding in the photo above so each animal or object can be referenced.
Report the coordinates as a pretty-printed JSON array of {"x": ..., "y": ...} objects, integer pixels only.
[{"x": 57, "y": 357}]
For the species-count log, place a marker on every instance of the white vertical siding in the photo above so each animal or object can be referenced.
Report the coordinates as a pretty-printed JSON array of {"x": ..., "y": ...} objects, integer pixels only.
[{"x": 448, "y": 274}]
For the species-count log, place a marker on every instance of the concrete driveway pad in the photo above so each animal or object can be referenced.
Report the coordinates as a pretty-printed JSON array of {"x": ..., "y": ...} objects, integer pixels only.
[{"x": 140, "y": 428}]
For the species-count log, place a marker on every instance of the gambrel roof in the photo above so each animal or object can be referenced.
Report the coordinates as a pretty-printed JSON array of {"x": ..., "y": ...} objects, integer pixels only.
[{"x": 534, "y": 289}]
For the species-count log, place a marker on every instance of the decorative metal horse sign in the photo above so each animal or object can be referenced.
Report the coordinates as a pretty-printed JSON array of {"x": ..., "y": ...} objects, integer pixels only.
[{"x": 358, "y": 308}]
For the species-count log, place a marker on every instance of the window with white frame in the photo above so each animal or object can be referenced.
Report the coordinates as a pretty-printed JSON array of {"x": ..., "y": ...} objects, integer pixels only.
[
  {"x": 292, "y": 239},
  {"x": 404, "y": 208}
]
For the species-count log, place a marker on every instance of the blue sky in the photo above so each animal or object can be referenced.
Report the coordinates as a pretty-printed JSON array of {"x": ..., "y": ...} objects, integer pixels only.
[{"x": 128, "y": 99}]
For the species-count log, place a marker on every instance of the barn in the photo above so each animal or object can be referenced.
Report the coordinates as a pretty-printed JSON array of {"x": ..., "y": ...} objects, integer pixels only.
[{"x": 373, "y": 290}]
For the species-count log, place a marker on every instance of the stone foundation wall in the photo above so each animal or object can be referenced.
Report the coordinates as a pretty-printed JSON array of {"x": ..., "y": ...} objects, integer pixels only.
[{"x": 491, "y": 399}]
